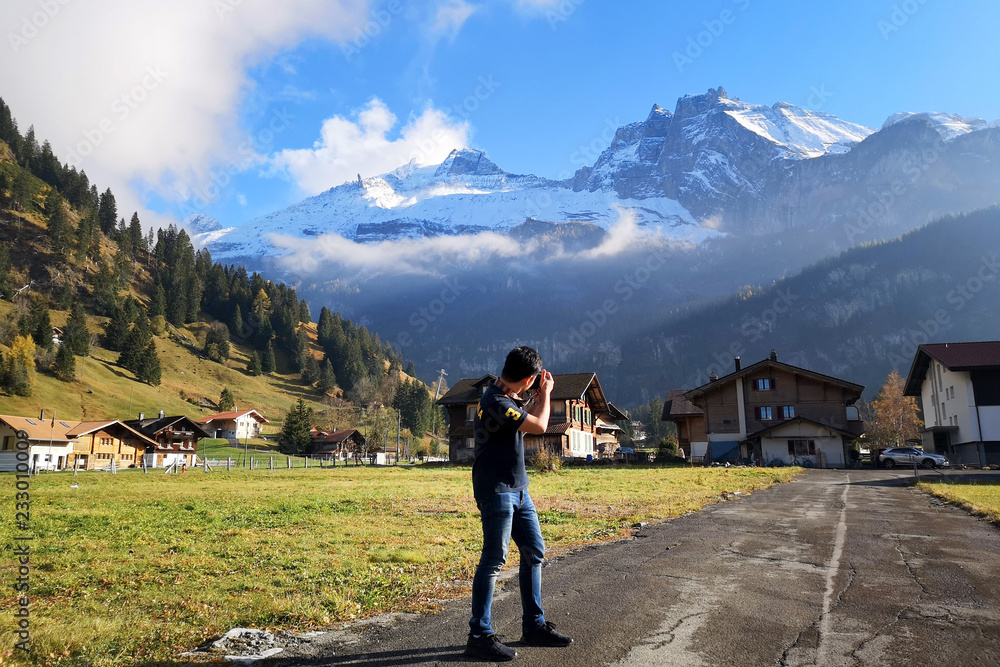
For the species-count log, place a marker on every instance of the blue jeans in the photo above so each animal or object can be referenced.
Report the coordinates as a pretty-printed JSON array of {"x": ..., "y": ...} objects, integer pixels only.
[{"x": 507, "y": 515}]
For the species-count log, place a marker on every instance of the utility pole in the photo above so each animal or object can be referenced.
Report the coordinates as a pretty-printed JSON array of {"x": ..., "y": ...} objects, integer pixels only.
[
  {"x": 437, "y": 392},
  {"x": 399, "y": 422}
]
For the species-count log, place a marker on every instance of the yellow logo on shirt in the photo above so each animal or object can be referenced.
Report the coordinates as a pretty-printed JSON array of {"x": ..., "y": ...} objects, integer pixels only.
[{"x": 512, "y": 413}]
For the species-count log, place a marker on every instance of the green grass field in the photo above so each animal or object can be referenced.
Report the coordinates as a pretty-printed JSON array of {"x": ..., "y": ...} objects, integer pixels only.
[
  {"x": 132, "y": 568},
  {"x": 980, "y": 499}
]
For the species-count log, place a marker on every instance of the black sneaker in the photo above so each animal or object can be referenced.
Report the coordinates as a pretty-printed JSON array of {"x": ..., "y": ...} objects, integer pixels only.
[
  {"x": 488, "y": 647},
  {"x": 545, "y": 635}
]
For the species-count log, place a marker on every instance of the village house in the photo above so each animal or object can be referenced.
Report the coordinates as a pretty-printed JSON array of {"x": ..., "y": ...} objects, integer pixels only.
[
  {"x": 331, "y": 446},
  {"x": 958, "y": 388},
  {"x": 770, "y": 413},
  {"x": 50, "y": 447},
  {"x": 97, "y": 445},
  {"x": 582, "y": 423},
  {"x": 235, "y": 425},
  {"x": 174, "y": 439}
]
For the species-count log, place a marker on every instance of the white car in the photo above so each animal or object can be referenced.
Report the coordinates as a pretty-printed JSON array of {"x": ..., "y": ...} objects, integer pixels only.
[{"x": 894, "y": 456}]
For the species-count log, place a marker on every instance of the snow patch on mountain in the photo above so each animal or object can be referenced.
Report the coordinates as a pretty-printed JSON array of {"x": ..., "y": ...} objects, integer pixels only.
[
  {"x": 802, "y": 133},
  {"x": 949, "y": 126}
]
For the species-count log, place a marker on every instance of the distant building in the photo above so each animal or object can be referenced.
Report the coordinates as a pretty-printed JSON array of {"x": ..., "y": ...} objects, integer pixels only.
[
  {"x": 582, "y": 423},
  {"x": 958, "y": 387},
  {"x": 768, "y": 412},
  {"x": 335, "y": 445},
  {"x": 235, "y": 424},
  {"x": 50, "y": 447}
]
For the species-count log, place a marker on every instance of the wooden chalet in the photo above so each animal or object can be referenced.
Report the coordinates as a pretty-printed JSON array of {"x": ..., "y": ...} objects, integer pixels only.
[
  {"x": 334, "y": 445},
  {"x": 97, "y": 444},
  {"x": 174, "y": 439},
  {"x": 769, "y": 412},
  {"x": 582, "y": 422}
]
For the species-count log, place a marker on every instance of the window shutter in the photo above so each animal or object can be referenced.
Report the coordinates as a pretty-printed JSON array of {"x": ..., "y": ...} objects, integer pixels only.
[{"x": 791, "y": 448}]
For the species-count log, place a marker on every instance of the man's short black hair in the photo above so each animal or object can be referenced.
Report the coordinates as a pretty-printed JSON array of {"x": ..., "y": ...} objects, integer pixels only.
[{"x": 521, "y": 362}]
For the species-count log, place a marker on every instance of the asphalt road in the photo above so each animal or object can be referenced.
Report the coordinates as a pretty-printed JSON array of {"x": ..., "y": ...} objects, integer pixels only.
[{"x": 835, "y": 568}]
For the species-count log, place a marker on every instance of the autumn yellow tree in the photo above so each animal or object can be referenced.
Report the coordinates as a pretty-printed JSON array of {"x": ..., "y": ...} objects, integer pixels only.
[
  {"x": 19, "y": 366},
  {"x": 895, "y": 415}
]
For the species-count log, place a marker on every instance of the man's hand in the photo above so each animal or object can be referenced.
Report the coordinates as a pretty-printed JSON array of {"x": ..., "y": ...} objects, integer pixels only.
[{"x": 537, "y": 420}]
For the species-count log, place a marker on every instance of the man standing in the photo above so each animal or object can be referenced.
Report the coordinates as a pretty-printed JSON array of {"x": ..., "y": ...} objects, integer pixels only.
[{"x": 500, "y": 485}]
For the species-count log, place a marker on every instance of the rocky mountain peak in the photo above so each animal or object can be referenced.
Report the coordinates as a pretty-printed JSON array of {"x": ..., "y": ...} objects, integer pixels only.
[{"x": 467, "y": 162}]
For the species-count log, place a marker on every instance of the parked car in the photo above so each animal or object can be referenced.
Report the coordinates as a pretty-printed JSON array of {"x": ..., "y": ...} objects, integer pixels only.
[{"x": 894, "y": 456}]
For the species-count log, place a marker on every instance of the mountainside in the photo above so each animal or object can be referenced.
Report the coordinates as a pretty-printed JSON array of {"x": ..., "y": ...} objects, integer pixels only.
[{"x": 466, "y": 194}]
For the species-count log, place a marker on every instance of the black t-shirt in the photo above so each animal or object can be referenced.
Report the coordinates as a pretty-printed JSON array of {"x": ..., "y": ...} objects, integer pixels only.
[{"x": 499, "y": 465}]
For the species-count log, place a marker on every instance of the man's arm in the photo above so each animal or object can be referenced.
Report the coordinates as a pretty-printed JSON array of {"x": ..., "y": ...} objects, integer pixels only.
[{"x": 537, "y": 420}]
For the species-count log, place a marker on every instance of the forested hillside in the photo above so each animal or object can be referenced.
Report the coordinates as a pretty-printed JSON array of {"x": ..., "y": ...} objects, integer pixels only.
[{"x": 145, "y": 322}]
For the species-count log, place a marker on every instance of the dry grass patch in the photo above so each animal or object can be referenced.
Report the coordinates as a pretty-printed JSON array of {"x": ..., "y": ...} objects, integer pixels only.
[{"x": 980, "y": 499}]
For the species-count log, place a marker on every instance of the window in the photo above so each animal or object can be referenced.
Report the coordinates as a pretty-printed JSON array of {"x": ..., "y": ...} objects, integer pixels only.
[
  {"x": 764, "y": 413},
  {"x": 763, "y": 384},
  {"x": 470, "y": 443},
  {"x": 470, "y": 414},
  {"x": 852, "y": 413},
  {"x": 787, "y": 411},
  {"x": 7, "y": 441},
  {"x": 801, "y": 447}
]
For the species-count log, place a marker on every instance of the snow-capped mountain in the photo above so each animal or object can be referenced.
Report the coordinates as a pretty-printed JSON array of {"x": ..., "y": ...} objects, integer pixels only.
[
  {"x": 465, "y": 194},
  {"x": 713, "y": 166},
  {"x": 712, "y": 148},
  {"x": 199, "y": 223}
]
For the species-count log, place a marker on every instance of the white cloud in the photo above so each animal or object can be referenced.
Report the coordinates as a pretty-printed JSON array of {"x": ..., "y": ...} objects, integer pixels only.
[
  {"x": 451, "y": 16},
  {"x": 347, "y": 148},
  {"x": 146, "y": 91}
]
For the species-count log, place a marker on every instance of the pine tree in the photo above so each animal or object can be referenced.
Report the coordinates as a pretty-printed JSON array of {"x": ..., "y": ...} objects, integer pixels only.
[
  {"x": 6, "y": 289},
  {"x": 304, "y": 314},
  {"x": 59, "y": 228},
  {"x": 236, "y": 324},
  {"x": 148, "y": 370},
  {"x": 65, "y": 366},
  {"x": 295, "y": 434},
  {"x": 116, "y": 330},
  {"x": 134, "y": 236},
  {"x": 107, "y": 213},
  {"x": 40, "y": 324},
  {"x": 158, "y": 307},
  {"x": 411, "y": 369},
  {"x": 227, "y": 401},
  {"x": 136, "y": 346},
  {"x": 76, "y": 337},
  {"x": 268, "y": 363},
  {"x": 311, "y": 371},
  {"x": 217, "y": 345},
  {"x": 327, "y": 379},
  {"x": 253, "y": 365},
  {"x": 262, "y": 337},
  {"x": 19, "y": 368}
]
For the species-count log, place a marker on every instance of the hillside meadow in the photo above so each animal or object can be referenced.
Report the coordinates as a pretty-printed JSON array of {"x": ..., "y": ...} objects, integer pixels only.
[{"x": 132, "y": 568}]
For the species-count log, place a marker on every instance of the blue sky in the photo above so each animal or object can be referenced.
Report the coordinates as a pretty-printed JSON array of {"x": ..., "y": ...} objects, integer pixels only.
[{"x": 257, "y": 105}]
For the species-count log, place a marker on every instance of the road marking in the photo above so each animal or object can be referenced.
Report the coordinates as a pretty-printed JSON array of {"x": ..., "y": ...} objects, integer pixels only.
[{"x": 832, "y": 568}]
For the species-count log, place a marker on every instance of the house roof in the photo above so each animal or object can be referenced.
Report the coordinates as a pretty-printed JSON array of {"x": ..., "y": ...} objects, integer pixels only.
[
  {"x": 150, "y": 427},
  {"x": 677, "y": 405},
  {"x": 55, "y": 430},
  {"x": 232, "y": 415},
  {"x": 981, "y": 355},
  {"x": 568, "y": 386},
  {"x": 112, "y": 426},
  {"x": 773, "y": 363},
  {"x": 336, "y": 437},
  {"x": 798, "y": 420}
]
